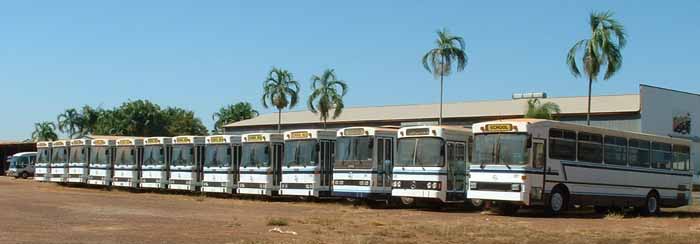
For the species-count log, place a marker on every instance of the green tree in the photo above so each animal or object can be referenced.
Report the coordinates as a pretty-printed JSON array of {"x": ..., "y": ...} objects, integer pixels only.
[
  {"x": 110, "y": 122},
  {"x": 233, "y": 113},
  {"x": 70, "y": 122},
  {"x": 143, "y": 118},
  {"x": 538, "y": 110},
  {"x": 88, "y": 120},
  {"x": 603, "y": 48},
  {"x": 280, "y": 90},
  {"x": 439, "y": 61},
  {"x": 44, "y": 131},
  {"x": 183, "y": 122},
  {"x": 327, "y": 93}
]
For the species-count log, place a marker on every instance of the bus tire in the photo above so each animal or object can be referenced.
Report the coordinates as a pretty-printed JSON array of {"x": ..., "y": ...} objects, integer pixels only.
[
  {"x": 558, "y": 201},
  {"x": 25, "y": 175},
  {"x": 651, "y": 204}
]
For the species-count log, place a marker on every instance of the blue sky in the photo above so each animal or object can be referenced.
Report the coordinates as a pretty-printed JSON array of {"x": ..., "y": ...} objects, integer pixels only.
[{"x": 201, "y": 55}]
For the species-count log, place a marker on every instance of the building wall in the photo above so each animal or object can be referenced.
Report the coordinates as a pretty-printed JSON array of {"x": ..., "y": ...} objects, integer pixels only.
[{"x": 659, "y": 108}]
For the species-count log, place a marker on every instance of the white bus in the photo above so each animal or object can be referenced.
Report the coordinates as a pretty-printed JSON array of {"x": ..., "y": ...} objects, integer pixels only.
[
  {"x": 432, "y": 164},
  {"x": 156, "y": 160},
  {"x": 42, "y": 168},
  {"x": 22, "y": 165},
  {"x": 186, "y": 163},
  {"x": 59, "y": 161},
  {"x": 261, "y": 164},
  {"x": 101, "y": 162},
  {"x": 127, "y": 162},
  {"x": 530, "y": 162},
  {"x": 307, "y": 169},
  {"x": 78, "y": 164},
  {"x": 221, "y": 161},
  {"x": 364, "y": 160}
]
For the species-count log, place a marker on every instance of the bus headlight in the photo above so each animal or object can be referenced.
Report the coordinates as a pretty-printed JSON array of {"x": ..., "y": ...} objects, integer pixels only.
[
  {"x": 284, "y": 186},
  {"x": 396, "y": 184},
  {"x": 472, "y": 185},
  {"x": 205, "y": 183},
  {"x": 263, "y": 186},
  {"x": 309, "y": 186},
  {"x": 515, "y": 187},
  {"x": 241, "y": 185},
  {"x": 338, "y": 182},
  {"x": 364, "y": 183}
]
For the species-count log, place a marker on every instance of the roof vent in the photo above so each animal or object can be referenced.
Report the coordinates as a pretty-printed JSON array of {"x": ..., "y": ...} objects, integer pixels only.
[{"x": 529, "y": 95}]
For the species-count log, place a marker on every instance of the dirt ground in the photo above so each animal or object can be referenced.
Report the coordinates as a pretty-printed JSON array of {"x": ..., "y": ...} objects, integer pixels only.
[{"x": 34, "y": 212}]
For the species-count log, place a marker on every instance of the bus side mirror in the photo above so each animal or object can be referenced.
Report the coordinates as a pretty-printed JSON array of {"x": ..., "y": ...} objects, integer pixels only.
[
  {"x": 442, "y": 151},
  {"x": 318, "y": 147},
  {"x": 161, "y": 151},
  {"x": 529, "y": 141},
  {"x": 131, "y": 152},
  {"x": 228, "y": 151},
  {"x": 267, "y": 150},
  {"x": 371, "y": 144},
  {"x": 191, "y": 150}
]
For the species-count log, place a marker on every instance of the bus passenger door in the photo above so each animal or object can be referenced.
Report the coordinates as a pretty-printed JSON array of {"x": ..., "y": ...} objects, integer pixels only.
[
  {"x": 277, "y": 163},
  {"x": 539, "y": 161},
  {"x": 380, "y": 162},
  {"x": 388, "y": 162}
]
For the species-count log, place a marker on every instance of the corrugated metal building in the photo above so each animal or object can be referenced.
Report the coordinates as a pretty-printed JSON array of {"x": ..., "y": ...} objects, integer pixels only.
[{"x": 653, "y": 110}]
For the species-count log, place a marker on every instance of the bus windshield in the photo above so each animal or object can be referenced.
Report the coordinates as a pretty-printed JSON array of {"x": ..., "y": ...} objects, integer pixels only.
[
  {"x": 153, "y": 155},
  {"x": 300, "y": 153},
  {"x": 99, "y": 155},
  {"x": 42, "y": 156},
  {"x": 354, "y": 152},
  {"x": 498, "y": 148},
  {"x": 183, "y": 155},
  {"x": 125, "y": 156},
  {"x": 59, "y": 155},
  {"x": 423, "y": 151},
  {"x": 76, "y": 155},
  {"x": 218, "y": 155},
  {"x": 256, "y": 154}
]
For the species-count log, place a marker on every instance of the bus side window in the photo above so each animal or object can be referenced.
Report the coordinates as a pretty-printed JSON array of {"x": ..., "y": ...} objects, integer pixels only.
[
  {"x": 562, "y": 144},
  {"x": 661, "y": 155},
  {"x": 450, "y": 156},
  {"x": 681, "y": 157},
  {"x": 460, "y": 152}
]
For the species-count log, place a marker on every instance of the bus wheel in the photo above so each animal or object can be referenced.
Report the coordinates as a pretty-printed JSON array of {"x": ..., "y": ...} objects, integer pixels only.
[
  {"x": 651, "y": 205},
  {"x": 557, "y": 201},
  {"x": 25, "y": 175},
  {"x": 408, "y": 201},
  {"x": 475, "y": 204}
]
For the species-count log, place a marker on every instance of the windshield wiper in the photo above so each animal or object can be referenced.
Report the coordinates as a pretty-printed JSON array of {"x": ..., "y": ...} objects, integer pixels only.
[{"x": 498, "y": 152}]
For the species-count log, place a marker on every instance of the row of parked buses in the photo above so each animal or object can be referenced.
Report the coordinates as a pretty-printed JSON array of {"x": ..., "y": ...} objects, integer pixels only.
[{"x": 505, "y": 164}]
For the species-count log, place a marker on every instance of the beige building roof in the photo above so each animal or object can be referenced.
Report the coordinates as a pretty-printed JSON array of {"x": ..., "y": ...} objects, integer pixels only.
[{"x": 496, "y": 108}]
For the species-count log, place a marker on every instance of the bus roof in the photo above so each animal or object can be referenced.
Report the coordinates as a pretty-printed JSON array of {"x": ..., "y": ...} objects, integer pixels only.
[
  {"x": 309, "y": 134},
  {"x": 523, "y": 124},
  {"x": 262, "y": 137},
  {"x": 223, "y": 139},
  {"x": 158, "y": 140},
  {"x": 366, "y": 131}
]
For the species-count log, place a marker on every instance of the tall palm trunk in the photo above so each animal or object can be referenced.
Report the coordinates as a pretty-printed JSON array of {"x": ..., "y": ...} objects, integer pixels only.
[
  {"x": 442, "y": 75},
  {"x": 588, "y": 115},
  {"x": 324, "y": 123},
  {"x": 279, "y": 120}
]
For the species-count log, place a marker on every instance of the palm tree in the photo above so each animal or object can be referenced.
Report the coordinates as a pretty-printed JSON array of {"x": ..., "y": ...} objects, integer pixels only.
[
  {"x": 603, "y": 48},
  {"x": 88, "y": 120},
  {"x": 44, "y": 131},
  {"x": 538, "y": 110},
  {"x": 280, "y": 90},
  {"x": 439, "y": 60},
  {"x": 233, "y": 113},
  {"x": 325, "y": 93},
  {"x": 70, "y": 122}
]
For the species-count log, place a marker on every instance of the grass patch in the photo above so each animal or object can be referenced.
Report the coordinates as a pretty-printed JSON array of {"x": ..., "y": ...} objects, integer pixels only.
[{"x": 277, "y": 222}]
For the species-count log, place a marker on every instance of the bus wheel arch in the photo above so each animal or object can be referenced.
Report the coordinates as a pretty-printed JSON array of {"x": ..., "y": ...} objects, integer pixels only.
[{"x": 558, "y": 200}]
